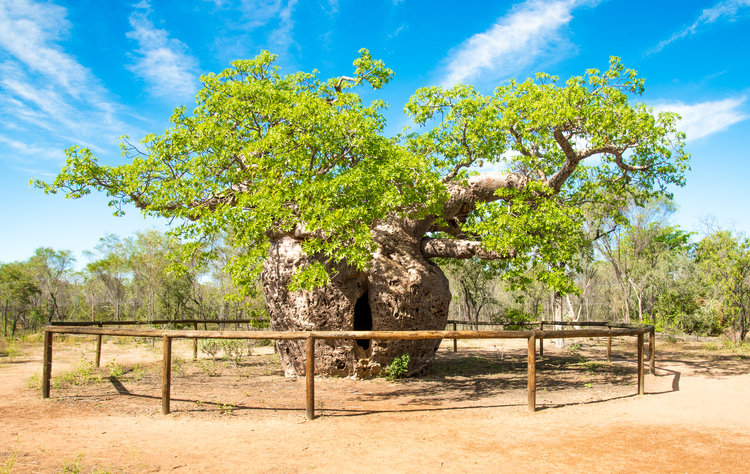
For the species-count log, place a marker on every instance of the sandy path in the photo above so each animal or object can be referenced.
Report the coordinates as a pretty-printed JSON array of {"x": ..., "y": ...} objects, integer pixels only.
[{"x": 701, "y": 427}]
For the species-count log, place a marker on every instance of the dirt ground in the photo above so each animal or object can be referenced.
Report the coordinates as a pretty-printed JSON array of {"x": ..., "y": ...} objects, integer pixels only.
[{"x": 468, "y": 414}]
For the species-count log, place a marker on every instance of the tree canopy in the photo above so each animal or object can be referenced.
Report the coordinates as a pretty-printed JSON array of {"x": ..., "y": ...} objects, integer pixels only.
[{"x": 504, "y": 176}]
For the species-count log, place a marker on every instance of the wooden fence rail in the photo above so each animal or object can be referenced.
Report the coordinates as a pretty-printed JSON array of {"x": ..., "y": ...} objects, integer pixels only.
[
  {"x": 541, "y": 324},
  {"x": 310, "y": 336}
]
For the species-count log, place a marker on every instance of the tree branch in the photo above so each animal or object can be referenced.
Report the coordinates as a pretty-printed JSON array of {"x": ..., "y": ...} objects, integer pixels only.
[
  {"x": 227, "y": 196},
  {"x": 626, "y": 167},
  {"x": 457, "y": 248},
  {"x": 480, "y": 188}
]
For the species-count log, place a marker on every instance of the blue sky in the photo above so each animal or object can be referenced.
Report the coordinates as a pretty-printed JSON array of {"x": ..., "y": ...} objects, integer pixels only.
[{"x": 86, "y": 72}]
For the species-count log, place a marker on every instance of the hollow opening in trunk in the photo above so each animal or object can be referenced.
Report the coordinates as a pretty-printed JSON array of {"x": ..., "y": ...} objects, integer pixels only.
[{"x": 363, "y": 319}]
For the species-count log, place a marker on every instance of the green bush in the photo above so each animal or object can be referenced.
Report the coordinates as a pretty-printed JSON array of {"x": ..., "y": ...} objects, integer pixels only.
[
  {"x": 398, "y": 368},
  {"x": 513, "y": 319},
  {"x": 234, "y": 349},
  {"x": 211, "y": 347}
]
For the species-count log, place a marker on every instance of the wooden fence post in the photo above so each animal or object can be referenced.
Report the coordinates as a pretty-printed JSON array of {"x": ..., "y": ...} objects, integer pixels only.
[
  {"x": 47, "y": 364},
  {"x": 641, "y": 390},
  {"x": 98, "y": 349},
  {"x": 532, "y": 373},
  {"x": 195, "y": 343},
  {"x": 609, "y": 349},
  {"x": 166, "y": 373},
  {"x": 455, "y": 344},
  {"x": 652, "y": 352},
  {"x": 541, "y": 340},
  {"x": 310, "y": 379}
]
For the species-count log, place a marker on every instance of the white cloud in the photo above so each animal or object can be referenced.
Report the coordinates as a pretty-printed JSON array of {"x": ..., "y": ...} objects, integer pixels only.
[
  {"x": 529, "y": 31},
  {"x": 705, "y": 118},
  {"x": 164, "y": 63},
  {"x": 282, "y": 37},
  {"x": 47, "y": 98},
  {"x": 402, "y": 27},
  {"x": 28, "y": 32},
  {"x": 259, "y": 24},
  {"x": 725, "y": 9},
  {"x": 21, "y": 151},
  {"x": 333, "y": 7}
]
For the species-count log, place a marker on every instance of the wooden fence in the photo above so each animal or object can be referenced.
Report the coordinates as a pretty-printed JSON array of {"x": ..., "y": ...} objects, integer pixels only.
[
  {"x": 156, "y": 322},
  {"x": 603, "y": 330}
]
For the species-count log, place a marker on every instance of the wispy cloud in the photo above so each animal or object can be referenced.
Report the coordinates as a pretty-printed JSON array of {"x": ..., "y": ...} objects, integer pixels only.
[
  {"x": 255, "y": 24},
  {"x": 706, "y": 118},
  {"x": 47, "y": 98},
  {"x": 164, "y": 63},
  {"x": 727, "y": 9},
  {"x": 282, "y": 36},
  {"x": 402, "y": 27},
  {"x": 28, "y": 31},
  {"x": 529, "y": 31},
  {"x": 21, "y": 150},
  {"x": 333, "y": 7}
]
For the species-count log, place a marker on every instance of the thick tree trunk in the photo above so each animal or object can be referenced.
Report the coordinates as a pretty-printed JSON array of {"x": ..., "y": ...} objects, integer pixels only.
[{"x": 401, "y": 290}]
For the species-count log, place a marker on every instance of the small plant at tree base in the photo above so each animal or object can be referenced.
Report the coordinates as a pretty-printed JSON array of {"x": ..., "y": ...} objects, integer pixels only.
[{"x": 398, "y": 368}]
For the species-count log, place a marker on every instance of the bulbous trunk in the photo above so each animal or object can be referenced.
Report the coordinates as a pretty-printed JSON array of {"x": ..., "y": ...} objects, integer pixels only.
[{"x": 401, "y": 290}]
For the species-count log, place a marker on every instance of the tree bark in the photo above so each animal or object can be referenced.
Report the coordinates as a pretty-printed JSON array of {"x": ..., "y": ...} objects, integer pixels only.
[{"x": 401, "y": 290}]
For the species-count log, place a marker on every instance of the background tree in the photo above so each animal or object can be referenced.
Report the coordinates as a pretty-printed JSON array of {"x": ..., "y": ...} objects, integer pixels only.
[
  {"x": 51, "y": 268},
  {"x": 473, "y": 286},
  {"x": 18, "y": 289},
  {"x": 342, "y": 221},
  {"x": 723, "y": 263},
  {"x": 110, "y": 267}
]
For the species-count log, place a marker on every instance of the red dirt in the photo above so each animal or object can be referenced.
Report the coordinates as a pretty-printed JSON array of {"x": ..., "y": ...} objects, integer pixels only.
[{"x": 465, "y": 417}]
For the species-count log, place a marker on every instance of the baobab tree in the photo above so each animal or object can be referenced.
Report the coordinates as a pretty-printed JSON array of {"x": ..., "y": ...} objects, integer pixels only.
[{"x": 344, "y": 225}]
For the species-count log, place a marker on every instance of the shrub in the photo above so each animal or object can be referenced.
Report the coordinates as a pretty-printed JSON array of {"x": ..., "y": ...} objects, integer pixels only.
[
  {"x": 210, "y": 347},
  {"x": 514, "y": 319},
  {"x": 398, "y": 368},
  {"x": 234, "y": 349}
]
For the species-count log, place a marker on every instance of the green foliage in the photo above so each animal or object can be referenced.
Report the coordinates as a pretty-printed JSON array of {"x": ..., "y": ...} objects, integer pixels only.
[
  {"x": 115, "y": 370},
  {"x": 6, "y": 465},
  {"x": 34, "y": 382},
  {"x": 513, "y": 318},
  {"x": 398, "y": 368},
  {"x": 18, "y": 290},
  {"x": 224, "y": 408},
  {"x": 209, "y": 368},
  {"x": 533, "y": 128},
  {"x": 262, "y": 152},
  {"x": 233, "y": 349},
  {"x": 10, "y": 350},
  {"x": 73, "y": 466},
  {"x": 178, "y": 365},
  {"x": 211, "y": 347},
  {"x": 265, "y": 155},
  {"x": 84, "y": 373},
  {"x": 723, "y": 263},
  {"x": 574, "y": 349}
]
